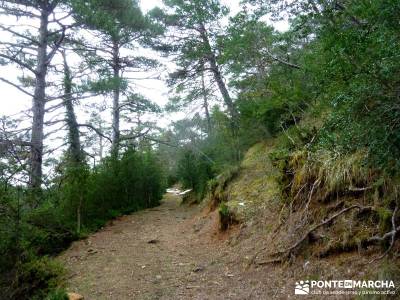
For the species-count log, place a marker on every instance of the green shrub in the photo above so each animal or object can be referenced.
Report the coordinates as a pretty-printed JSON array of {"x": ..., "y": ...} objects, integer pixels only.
[
  {"x": 134, "y": 182},
  {"x": 194, "y": 172},
  {"x": 226, "y": 217},
  {"x": 36, "y": 278},
  {"x": 28, "y": 234},
  {"x": 58, "y": 294}
]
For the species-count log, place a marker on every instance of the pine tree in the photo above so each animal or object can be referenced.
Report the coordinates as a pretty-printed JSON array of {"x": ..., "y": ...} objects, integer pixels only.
[
  {"x": 32, "y": 51},
  {"x": 194, "y": 26},
  {"x": 118, "y": 26}
]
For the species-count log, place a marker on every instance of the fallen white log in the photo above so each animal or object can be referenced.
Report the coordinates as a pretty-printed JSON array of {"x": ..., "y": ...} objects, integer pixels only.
[
  {"x": 185, "y": 192},
  {"x": 173, "y": 191}
]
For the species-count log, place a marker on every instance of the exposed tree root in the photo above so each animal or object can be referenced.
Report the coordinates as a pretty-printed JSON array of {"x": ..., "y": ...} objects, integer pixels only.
[
  {"x": 338, "y": 248},
  {"x": 316, "y": 183},
  {"x": 270, "y": 262},
  {"x": 391, "y": 234},
  {"x": 254, "y": 257},
  {"x": 288, "y": 252},
  {"x": 284, "y": 255}
]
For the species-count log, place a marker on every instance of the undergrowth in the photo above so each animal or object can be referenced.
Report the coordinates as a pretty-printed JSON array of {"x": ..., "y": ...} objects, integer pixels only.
[
  {"x": 316, "y": 183},
  {"x": 32, "y": 236},
  {"x": 217, "y": 187}
]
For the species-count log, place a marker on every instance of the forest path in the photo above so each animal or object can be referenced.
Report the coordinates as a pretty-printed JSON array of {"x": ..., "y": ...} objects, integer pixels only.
[{"x": 166, "y": 252}]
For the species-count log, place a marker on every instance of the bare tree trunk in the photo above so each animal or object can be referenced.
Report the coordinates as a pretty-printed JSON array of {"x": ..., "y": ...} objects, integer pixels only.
[
  {"x": 205, "y": 101},
  {"x": 116, "y": 95},
  {"x": 38, "y": 105},
  {"x": 218, "y": 76},
  {"x": 101, "y": 143},
  {"x": 222, "y": 87},
  {"x": 234, "y": 116}
]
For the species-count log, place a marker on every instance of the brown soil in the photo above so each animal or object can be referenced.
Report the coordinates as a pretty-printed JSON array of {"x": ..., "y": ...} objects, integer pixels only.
[
  {"x": 168, "y": 252},
  {"x": 177, "y": 252}
]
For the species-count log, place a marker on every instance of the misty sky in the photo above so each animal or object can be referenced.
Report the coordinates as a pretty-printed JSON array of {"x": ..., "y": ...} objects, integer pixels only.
[{"x": 12, "y": 101}]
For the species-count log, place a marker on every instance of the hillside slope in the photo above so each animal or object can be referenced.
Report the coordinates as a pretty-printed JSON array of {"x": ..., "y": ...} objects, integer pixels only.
[
  {"x": 248, "y": 241},
  {"x": 311, "y": 236}
]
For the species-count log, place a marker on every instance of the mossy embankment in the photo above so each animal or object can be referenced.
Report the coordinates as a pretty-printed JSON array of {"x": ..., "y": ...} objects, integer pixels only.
[{"x": 307, "y": 211}]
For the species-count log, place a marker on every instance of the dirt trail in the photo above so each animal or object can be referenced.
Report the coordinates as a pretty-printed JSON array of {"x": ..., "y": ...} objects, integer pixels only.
[{"x": 167, "y": 252}]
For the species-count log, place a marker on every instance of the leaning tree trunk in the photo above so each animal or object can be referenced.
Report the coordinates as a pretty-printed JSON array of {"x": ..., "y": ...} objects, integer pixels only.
[
  {"x": 116, "y": 95},
  {"x": 205, "y": 101},
  {"x": 234, "y": 116},
  {"x": 38, "y": 105},
  {"x": 218, "y": 76},
  {"x": 222, "y": 87}
]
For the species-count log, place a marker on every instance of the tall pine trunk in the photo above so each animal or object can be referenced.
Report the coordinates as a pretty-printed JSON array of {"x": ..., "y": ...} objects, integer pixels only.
[
  {"x": 218, "y": 76},
  {"x": 38, "y": 105},
  {"x": 116, "y": 95},
  {"x": 205, "y": 101},
  {"x": 233, "y": 113}
]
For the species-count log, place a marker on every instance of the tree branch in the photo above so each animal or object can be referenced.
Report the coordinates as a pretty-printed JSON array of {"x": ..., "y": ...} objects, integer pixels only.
[
  {"x": 96, "y": 130},
  {"x": 20, "y": 35},
  {"x": 282, "y": 61},
  {"x": 132, "y": 137},
  {"x": 8, "y": 143},
  {"x": 56, "y": 46},
  {"x": 315, "y": 227},
  {"x": 390, "y": 234},
  {"x": 18, "y": 62},
  {"x": 16, "y": 86}
]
